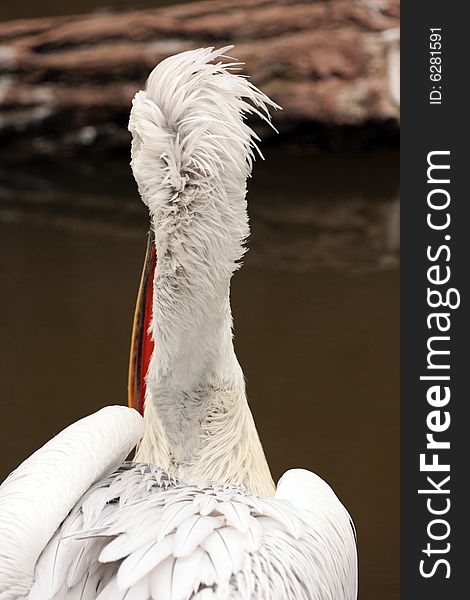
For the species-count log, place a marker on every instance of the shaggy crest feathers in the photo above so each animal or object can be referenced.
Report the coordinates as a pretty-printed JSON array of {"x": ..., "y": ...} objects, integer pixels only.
[{"x": 190, "y": 118}]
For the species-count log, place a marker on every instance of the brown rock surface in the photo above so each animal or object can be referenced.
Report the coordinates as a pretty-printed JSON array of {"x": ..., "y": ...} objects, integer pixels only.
[{"x": 66, "y": 82}]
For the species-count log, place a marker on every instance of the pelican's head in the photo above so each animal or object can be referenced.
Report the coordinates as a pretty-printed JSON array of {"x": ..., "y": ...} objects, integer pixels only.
[{"x": 188, "y": 122}]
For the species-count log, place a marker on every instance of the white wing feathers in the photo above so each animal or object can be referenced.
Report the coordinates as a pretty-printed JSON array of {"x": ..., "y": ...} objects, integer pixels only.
[
  {"x": 140, "y": 534},
  {"x": 332, "y": 537},
  {"x": 36, "y": 497}
]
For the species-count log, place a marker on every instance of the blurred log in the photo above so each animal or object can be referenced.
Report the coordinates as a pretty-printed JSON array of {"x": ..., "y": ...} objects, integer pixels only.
[{"x": 66, "y": 82}]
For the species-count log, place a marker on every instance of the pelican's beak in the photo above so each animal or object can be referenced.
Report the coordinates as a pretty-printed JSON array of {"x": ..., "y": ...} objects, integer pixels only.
[{"x": 142, "y": 342}]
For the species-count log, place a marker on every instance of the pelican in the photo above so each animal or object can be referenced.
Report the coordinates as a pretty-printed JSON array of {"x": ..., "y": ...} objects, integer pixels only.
[{"x": 196, "y": 515}]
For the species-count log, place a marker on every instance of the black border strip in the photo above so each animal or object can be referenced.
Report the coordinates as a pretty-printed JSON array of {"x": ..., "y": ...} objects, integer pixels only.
[{"x": 425, "y": 128}]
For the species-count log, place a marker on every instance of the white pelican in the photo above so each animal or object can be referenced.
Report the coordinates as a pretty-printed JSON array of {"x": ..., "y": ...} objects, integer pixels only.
[{"x": 196, "y": 516}]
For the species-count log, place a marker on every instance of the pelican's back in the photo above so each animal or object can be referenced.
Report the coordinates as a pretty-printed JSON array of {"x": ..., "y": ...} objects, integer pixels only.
[{"x": 140, "y": 534}]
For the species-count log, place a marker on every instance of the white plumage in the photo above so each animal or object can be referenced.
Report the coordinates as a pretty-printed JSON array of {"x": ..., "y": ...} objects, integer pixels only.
[
  {"x": 194, "y": 517},
  {"x": 141, "y": 533}
]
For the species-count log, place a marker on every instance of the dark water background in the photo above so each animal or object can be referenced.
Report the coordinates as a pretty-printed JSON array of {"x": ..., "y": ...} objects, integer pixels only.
[{"x": 315, "y": 306}]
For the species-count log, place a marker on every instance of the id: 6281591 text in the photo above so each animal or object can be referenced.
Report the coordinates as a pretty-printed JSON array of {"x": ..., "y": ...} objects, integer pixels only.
[{"x": 435, "y": 65}]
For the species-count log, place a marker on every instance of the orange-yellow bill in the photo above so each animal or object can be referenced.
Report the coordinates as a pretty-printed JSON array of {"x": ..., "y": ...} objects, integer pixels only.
[{"x": 142, "y": 343}]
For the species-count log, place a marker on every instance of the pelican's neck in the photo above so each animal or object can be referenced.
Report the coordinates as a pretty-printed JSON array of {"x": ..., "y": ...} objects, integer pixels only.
[{"x": 197, "y": 420}]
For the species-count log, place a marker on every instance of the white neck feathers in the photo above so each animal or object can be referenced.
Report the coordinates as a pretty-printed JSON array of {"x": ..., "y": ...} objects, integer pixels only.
[{"x": 191, "y": 155}]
